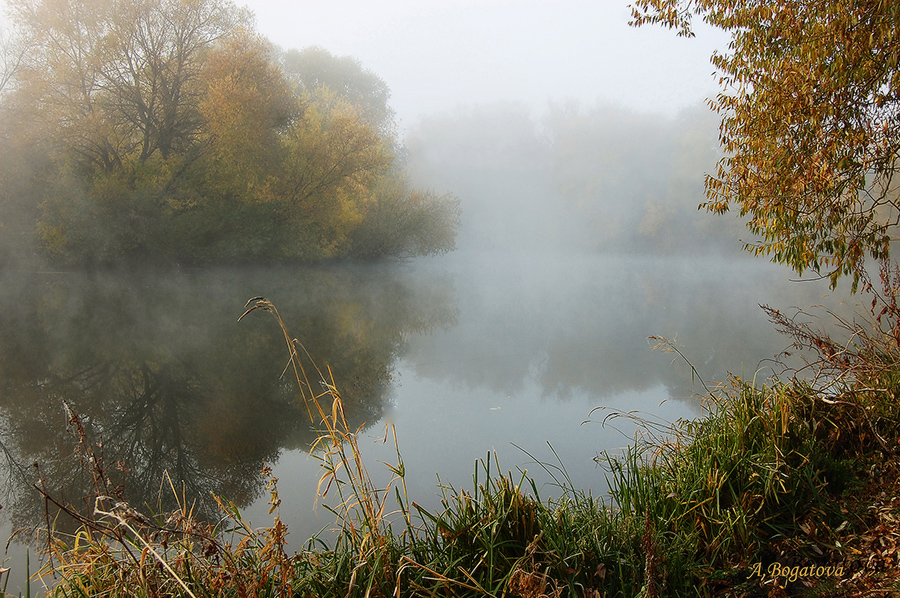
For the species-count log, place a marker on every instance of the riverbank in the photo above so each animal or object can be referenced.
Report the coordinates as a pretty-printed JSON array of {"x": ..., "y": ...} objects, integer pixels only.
[{"x": 781, "y": 489}]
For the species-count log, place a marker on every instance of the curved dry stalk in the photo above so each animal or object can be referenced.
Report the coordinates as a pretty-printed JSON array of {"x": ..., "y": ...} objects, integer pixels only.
[{"x": 362, "y": 503}]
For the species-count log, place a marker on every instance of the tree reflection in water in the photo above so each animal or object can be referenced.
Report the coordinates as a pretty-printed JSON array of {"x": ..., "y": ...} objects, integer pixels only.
[{"x": 166, "y": 381}]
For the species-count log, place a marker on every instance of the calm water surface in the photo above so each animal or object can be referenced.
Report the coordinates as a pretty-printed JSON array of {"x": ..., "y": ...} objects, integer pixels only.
[{"x": 465, "y": 355}]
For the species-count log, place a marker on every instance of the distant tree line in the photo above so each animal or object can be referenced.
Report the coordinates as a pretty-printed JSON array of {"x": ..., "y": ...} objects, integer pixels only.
[
  {"x": 577, "y": 177},
  {"x": 170, "y": 130}
]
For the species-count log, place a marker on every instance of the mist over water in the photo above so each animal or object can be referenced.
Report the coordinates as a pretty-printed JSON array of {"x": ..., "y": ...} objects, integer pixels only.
[
  {"x": 580, "y": 240},
  {"x": 581, "y": 247}
]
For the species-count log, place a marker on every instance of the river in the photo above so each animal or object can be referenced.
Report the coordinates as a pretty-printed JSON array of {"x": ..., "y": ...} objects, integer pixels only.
[{"x": 467, "y": 355}]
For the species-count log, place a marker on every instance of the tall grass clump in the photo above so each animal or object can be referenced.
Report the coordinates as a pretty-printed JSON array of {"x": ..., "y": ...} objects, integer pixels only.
[
  {"x": 769, "y": 471},
  {"x": 118, "y": 551},
  {"x": 364, "y": 557},
  {"x": 718, "y": 488}
]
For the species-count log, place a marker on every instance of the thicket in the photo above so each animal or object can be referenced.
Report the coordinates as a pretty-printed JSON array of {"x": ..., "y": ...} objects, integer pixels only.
[{"x": 172, "y": 131}]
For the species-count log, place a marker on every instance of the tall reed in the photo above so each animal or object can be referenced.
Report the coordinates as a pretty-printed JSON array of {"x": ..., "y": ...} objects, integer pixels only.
[{"x": 362, "y": 509}]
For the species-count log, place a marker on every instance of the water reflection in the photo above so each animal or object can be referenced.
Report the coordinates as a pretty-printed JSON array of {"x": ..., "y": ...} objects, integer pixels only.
[
  {"x": 166, "y": 380},
  {"x": 494, "y": 348},
  {"x": 580, "y": 323},
  {"x": 540, "y": 340}
]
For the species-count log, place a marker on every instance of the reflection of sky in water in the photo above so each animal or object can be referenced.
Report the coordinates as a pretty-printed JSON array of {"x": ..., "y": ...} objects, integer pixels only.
[
  {"x": 465, "y": 355},
  {"x": 580, "y": 323},
  {"x": 541, "y": 340},
  {"x": 444, "y": 429}
]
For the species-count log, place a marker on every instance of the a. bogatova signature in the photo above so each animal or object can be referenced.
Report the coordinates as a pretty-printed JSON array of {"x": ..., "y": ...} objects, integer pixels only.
[{"x": 794, "y": 573}]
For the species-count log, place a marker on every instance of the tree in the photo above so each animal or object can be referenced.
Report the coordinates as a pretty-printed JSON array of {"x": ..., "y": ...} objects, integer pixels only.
[
  {"x": 169, "y": 130},
  {"x": 245, "y": 107},
  {"x": 115, "y": 78},
  {"x": 406, "y": 222},
  {"x": 333, "y": 161},
  {"x": 809, "y": 104},
  {"x": 314, "y": 68},
  {"x": 12, "y": 53}
]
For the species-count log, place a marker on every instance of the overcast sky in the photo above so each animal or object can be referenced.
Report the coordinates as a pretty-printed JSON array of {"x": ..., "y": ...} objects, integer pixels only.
[{"x": 438, "y": 54}]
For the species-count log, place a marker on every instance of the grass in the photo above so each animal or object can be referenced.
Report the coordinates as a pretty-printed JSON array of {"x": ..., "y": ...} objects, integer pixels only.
[{"x": 769, "y": 494}]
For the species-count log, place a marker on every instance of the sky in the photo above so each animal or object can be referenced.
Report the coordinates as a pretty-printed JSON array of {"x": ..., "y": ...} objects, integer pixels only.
[{"x": 436, "y": 55}]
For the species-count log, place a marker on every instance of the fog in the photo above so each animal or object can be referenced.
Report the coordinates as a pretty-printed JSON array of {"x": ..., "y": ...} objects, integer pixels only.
[
  {"x": 436, "y": 55},
  {"x": 577, "y": 148},
  {"x": 578, "y": 178}
]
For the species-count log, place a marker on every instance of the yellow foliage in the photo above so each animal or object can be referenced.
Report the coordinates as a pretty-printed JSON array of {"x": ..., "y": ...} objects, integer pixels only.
[
  {"x": 810, "y": 93},
  {"x": 246, "y": 103}
]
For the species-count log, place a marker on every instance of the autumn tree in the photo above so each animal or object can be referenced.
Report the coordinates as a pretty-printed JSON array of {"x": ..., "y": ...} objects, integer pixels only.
[
  {"x": 170, "y": 130},
  {"x": 296, "y": 168},
  {"x": 108, "y": 92},
  {"x": 315, "y": 68},
  {"x": 395, "y": 219},
  {"x": 809, "y": 101},
  {"x": 245, "y": 107},
  {"x": 116, "y": 77},
  {"x": 333, "y": 163}
]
